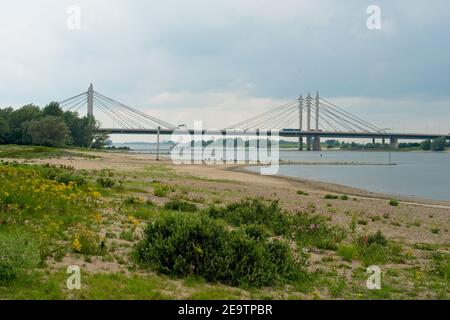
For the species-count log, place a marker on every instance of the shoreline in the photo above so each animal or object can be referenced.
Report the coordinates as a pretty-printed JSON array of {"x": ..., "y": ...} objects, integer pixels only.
[{"x": 350, "y": 191}]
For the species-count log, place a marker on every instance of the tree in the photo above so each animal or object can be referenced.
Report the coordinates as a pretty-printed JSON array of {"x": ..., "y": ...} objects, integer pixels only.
[
  {"x": 426, "y": 145},
  {"x": 48, "y": 131},
  {"x": 438, "y": 144},
  {"x": 53, "y": 109},
  {"x": 18, "y": 121},
  {"x": 4, "y": 129}
]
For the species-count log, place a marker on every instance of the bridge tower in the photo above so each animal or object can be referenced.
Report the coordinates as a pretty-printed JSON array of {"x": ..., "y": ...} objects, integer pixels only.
[
  {"x": 90, "y": 100},
  {"x": 308, "y": 121},
  {"x": 316, "y": 142},
  {"x": 300, "y": 122}
]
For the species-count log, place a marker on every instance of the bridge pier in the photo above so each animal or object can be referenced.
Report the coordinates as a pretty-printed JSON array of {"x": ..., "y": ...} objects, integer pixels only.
[
  {"x": 316, "y": 144},
  {"x": 157, "y": 143},
  {"x": 308, "y": 143},
  {"x": 300, "y": 144},
  {"x": 393, "y": 143}
]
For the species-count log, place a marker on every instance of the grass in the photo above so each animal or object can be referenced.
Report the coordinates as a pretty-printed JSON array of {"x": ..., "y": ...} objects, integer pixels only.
[
  {"x": 37, "y": 152},
  {"x": 373, "y": 249}
]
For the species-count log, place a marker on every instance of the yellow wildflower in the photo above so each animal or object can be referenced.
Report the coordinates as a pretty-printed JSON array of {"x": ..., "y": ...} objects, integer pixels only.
[{"x": 76, "y": 245}]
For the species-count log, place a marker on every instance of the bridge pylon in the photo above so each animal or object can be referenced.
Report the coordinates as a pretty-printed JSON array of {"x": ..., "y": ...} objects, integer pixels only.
[{"x": 90, "y": 101}]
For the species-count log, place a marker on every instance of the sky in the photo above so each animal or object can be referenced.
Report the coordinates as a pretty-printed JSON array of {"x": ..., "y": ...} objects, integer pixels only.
[{"x": 222, "y": 61}]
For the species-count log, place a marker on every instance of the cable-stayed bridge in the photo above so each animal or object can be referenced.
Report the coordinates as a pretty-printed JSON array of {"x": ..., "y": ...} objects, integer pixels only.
[{"x": 309, "y": 118}]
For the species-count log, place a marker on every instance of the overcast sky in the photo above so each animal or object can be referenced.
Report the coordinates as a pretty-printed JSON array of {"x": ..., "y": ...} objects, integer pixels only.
[{"x": 223, "y": 60}]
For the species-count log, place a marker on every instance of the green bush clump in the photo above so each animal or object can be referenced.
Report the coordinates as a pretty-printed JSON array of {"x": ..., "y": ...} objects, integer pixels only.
[
  {"x": 312, "y": 230},
  {"x": 7, "y": 273},
  {"x": 441, "y": 265},
  {"x": 255, "y": 211},
  {"x": 393, "y": 203},
  {"x": 132, "y": 200},
  {"x": 377, "y": 238},
  {"x": 106, "y": 182},
  {"x": 375, "y": 249},
  {"x": 180, "y": 205},
  {"x": 331, "y": 197},
  {"x": 308, "y": 230},
  {"x": 64, "y": 175},
  {"x": 257, "y": 231},
  {"x": 160, "y": 190},
  {"x": 197, "y": 245}
]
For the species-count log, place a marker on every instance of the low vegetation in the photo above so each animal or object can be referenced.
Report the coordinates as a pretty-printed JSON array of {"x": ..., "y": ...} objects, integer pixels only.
[
  {"x": 193, "y": 244},
  {"x": 159, "y": 237}
]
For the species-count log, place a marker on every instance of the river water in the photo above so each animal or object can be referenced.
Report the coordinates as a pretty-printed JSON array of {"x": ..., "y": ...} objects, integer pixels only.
[{"x": 420, "y": 174}]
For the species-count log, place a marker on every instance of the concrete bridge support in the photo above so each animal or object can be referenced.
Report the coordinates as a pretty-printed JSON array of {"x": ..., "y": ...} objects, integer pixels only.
[
  {"x": 90, "y": 101},
  {"x": 309, "y": 143},
  {"x": 300, "y": 144},
  {"x": 393, "y": 143},
  {"x": 316, "y": 144},
  {"x": 300, "y": 122}
]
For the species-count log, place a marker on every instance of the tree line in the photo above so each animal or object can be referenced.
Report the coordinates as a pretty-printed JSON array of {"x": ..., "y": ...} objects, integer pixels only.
[
  {"x": 49, "y": 126},
  {"x": 438, "y": 144}
]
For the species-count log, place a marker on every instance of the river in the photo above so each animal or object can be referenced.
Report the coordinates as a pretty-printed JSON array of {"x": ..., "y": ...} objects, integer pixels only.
[{"x": 419, "y": 174}]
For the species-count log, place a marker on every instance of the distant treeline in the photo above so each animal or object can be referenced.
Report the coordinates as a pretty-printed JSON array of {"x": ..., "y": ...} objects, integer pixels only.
[
  {"x": 48, "y": 126},
  {"x": 438, "y": 144}
]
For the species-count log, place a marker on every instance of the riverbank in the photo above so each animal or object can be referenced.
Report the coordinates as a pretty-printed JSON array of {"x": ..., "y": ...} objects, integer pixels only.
[{"x": 140, "y": 187}]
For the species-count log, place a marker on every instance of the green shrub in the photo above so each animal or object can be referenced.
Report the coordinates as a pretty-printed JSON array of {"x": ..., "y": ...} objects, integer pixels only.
[
  {"x": 196, "y": 245},
  {"x": 160, "y": 190},
  {"x": 435, "y": 230},
  {"x": 307, "y": 229},
  {"x": 394, "y": 203},
  {"x": 180, "y": 205},
  {"x": 344, "y": 198},
  {"x": 377, "y": 238},
  {"x": 375, "y": 249},
  {"x": 106, "y": 182},
  {"x": 441, "y": 265},
  {"x": 312, "y": 230},
  {"x": 88, "y": 243},
  {"x": 257, "y": 231},
  {"x": 331, "y": 197},
  {"x": 362, "y": 222},
  {"x": 7, "y": 273},
  {"x": 132, "y": 200},
  {"x": 64, "y": 175},
  {"x": 255, "y": 211},
  {"x": 302, "y": 193}
]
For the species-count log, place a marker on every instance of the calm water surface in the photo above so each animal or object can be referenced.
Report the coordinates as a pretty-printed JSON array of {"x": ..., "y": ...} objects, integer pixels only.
[{"x": 421, "y": 174}]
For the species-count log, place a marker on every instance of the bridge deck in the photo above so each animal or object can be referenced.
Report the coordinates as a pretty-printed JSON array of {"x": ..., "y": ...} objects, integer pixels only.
[{"x": 284, "y": 133}]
